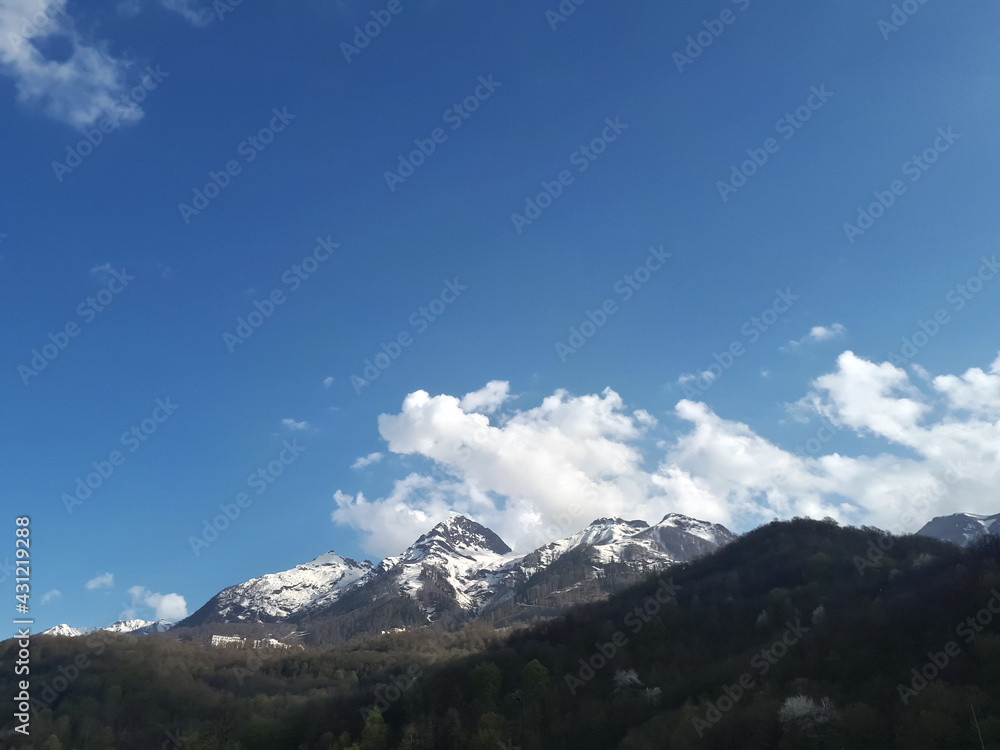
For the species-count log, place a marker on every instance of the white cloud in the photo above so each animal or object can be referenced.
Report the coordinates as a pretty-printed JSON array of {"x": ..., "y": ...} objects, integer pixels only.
[
  {"x": 976, "y": 391},
  {"x": 291, "y": 424},
  {"x": 49, "y": 596},
  {"x": 77, "y": 90},
  {"x": 816, "y": 334},
  {"x": 488, "y": 399},
  {"x": 533, "y": 466},
  {"x": 170, "y": 607},
  {"x": 105, "y": 580},
  {"x": 707, "y": 376},
  {"x": 328, "y": 381},
  {"x": 368, "y": 460},
  {"x": 928, "y": 448}
]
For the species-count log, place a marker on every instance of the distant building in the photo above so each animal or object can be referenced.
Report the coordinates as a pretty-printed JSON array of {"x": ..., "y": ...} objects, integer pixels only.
[
  {"x": 393, "y": 630},
  {"x": 228, "y": 641},
  {"x": 235, "y": 641},
  {"x": 270, "y": 643}
]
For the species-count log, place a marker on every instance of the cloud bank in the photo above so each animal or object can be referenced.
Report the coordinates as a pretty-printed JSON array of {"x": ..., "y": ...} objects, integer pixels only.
[{"x": 932, "y": 446}]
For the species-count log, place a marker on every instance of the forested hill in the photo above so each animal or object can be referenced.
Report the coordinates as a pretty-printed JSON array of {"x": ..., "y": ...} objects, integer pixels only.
[{"x": 798, "y": 635}]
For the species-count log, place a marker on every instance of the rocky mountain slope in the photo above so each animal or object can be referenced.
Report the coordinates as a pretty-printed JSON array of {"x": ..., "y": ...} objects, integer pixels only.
[{"x": 960, "y": 528}]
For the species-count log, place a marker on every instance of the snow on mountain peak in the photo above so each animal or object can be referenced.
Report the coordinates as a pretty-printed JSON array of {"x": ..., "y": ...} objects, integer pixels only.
[
  {"x": 462, "y": 535},
  {"x": 136, "y": 627},
  {"x": 278, "y": 595},
  {"x": 67, "y": 631}
]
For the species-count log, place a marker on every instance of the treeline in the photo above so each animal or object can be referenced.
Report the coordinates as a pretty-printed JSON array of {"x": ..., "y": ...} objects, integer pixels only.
[{"x": 798, "y": 635}]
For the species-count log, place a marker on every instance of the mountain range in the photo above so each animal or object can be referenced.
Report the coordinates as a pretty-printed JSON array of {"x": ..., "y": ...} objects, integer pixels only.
[
  {"x": 135, "y": 627},
  {"x": 460, "y": 571}
]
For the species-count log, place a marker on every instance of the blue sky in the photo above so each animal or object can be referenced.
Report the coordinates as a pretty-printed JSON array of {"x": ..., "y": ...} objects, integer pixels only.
[{"x": 189, "y": 88}]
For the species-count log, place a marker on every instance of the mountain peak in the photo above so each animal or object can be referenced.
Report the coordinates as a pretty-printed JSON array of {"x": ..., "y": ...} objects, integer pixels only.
[
  {"x": 464, "y": 536},
  {"x": 616, "y": 521}
]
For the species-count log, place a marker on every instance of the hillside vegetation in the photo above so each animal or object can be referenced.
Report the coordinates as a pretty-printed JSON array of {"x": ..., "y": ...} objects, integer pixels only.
[{"x": 799, "y": 634}]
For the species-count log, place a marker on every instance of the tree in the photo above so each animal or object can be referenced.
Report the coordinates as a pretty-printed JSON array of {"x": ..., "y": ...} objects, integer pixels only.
[
  {"x": 486, "y": 682},
  {"x": 373, "y": 736}
]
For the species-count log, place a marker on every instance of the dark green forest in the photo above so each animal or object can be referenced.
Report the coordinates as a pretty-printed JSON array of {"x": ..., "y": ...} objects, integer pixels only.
[{"x": 800, "y": 634}]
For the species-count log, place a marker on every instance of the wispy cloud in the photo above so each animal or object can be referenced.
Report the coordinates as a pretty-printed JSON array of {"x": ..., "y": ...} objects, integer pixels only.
[
  {"x": 77, "y": 90},
  {"x": 49, "y": 596},
  {"x": 103, "y": 581},
  {"x": 101, "y": 272},
  {"x": 368, "y": 460},
  {"x": 816, "y": 334},
  {"x": 185, "y": 8},
  {"x": 291, "y": 424},
  {"x": 328, "y": 382},
  {"x": 189, "y": 11}
]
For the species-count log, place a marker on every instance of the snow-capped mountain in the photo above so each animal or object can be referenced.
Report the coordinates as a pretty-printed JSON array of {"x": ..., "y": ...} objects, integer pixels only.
[
  {"x": 673, "y": 539},
  {"x": 278, "y": 596},
  {"x": 573, "y": 568},
  {"x": 135, "y": 627},
  {"x": 458, "y": 556},
  {"x": 67, "y": 631},
  {"x": 960, "y": 528},
  {"x": 140, "y": 627},
  {"x": 461, "y": 570}
]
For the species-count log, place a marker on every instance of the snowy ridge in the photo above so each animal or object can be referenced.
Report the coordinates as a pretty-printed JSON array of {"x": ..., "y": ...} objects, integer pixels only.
[
  {"x": 458, "y": 566},
  {"x": 135, "y": 627},
  {"x": 276, "y": 596}
]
